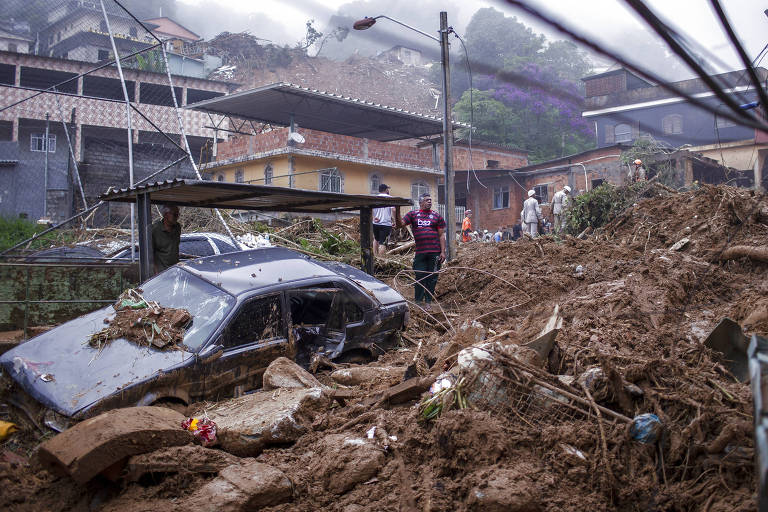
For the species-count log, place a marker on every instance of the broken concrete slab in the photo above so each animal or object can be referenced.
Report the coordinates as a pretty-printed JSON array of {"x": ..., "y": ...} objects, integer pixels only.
[
  {"x": 247, "y": 486},
  {"x": 344, "y": 461},
  {"x": 98, "y": 443},
  {"x": 358, "y": 375},
  {"x": 284, "y": 373},
  {"x": 544, "y": 342},
  {"x": 189, "y": 458},
  {"x": 248, "y": 424}
]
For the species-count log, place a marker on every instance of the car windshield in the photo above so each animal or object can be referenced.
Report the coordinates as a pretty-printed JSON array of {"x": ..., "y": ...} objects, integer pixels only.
[{"x": 208, "y": 305}]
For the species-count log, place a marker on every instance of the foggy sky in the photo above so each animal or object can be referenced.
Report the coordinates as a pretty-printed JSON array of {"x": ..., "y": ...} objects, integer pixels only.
[{"x": 610, "y": 22}]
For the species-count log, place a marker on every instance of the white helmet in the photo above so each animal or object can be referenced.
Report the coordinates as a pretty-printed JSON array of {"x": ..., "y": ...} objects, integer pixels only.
[
  {"x": 531, "y": 193},
  {"x": 567, "y": 189}
]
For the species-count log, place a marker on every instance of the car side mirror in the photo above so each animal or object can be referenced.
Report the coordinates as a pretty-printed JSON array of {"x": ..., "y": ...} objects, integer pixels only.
[{"x": 212, "y": 354}]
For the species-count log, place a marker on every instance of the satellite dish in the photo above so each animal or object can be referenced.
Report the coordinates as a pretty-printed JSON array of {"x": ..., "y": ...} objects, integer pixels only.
[{"x": 296, "y": 137}]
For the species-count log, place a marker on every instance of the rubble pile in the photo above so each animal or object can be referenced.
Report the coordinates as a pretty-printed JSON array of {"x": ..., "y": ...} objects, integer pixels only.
[{"x": 570, "y": 375}]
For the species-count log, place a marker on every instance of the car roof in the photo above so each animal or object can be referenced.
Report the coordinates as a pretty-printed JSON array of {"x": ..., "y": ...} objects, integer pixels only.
[{"x": 242, "y": 271}]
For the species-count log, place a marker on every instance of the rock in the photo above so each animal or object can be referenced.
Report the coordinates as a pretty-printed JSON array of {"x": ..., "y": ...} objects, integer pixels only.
[
  {"x": 242, "y": 487},
  {"x": 190, "y": 458},
  {"x": 248, "y": 424},
  {"x": 507, "y": 490},
  {"x": 284, "y": 373},
  {"x": 680, "y": 244},
  {"x": 344, "y": 461},
  {"x": 98, "y": 443},
  {"x": 358, "y": 375}
]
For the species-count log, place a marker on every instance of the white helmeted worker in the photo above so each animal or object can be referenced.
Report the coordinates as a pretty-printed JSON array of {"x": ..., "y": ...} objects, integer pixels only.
[
  {"x": 531, "y": 215},
  {"x": 559, "y": 204},
  {"x": 636, "y": 173}
]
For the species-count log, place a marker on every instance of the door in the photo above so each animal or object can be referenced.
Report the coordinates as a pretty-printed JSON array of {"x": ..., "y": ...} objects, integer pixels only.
[
  {"x": 255, "y": 337},
  {"x": 317, "y": 321}
]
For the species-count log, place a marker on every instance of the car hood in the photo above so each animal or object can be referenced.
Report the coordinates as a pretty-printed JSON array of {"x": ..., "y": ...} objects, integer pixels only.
[{"x": 60, "y": 370}]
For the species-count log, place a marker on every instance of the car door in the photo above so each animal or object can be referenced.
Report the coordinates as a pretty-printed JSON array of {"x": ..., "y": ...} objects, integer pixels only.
[{"x": 255, "y": 336}]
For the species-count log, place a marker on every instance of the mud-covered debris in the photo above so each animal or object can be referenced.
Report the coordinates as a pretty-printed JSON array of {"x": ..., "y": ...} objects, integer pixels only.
[
  {"x": 284, "y": 373},
  {"x": 143, "y": 322}
]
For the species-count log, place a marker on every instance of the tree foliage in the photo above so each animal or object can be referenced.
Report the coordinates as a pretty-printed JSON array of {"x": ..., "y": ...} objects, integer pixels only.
[
  {"x": 540, "y": 110},
  {"x": 599, "y": 206}
]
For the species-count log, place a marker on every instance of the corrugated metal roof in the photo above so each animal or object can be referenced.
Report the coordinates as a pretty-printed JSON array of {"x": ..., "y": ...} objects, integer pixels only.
[
  {"x": 324, "y": 111},
  {"x": 241, "y": 196}
]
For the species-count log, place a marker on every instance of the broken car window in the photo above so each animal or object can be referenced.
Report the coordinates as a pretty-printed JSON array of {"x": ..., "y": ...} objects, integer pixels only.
[
  {"x": 259, "y": 320},
  {"x": 177, "y": 288}
]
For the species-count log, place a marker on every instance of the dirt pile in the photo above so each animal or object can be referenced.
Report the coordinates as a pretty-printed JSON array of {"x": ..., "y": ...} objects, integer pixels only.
[{"x": 633, "y": 321}]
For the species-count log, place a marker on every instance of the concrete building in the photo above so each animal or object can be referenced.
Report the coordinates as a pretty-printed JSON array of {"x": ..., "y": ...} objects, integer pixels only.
[
  {"x": 91, "y": 105},
  {"x": 625, "y": 107}
]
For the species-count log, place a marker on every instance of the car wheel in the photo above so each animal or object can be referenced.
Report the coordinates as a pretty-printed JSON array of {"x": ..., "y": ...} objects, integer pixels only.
[{"x": 176, "y": 404}]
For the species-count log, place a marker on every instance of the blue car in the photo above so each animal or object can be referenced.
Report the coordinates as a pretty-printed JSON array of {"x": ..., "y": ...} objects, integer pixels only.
[{"x": 247, "y": 308}]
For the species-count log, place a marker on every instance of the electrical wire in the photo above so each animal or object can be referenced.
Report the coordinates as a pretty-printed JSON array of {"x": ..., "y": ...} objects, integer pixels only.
[
  {"x": 471, "y": 113},
  {"x": 647, "y": 75}
]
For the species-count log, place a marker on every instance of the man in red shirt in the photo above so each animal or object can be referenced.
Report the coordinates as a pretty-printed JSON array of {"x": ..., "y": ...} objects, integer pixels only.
[{"x": 428, "y": 229}]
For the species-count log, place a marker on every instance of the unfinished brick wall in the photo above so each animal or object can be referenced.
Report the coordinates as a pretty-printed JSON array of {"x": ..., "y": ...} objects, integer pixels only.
[{"x": 605, "y": 85}]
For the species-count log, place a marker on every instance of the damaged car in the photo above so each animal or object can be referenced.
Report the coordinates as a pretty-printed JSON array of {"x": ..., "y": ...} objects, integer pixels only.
[{"x": 247, "y": 309}]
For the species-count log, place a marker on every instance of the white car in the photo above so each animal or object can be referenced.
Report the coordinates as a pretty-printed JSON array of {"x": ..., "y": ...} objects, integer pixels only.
[{"x": 193, "y": 244}]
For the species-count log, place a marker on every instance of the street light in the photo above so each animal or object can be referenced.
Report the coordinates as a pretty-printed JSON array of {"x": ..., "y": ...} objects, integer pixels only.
[{"x": 450, "y": 198}]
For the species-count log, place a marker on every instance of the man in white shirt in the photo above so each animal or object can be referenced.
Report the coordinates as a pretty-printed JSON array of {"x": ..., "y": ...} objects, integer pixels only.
[
  {"x": 559, "y": 205},
  {"x": 382, "y": 223},
  {"x": 531, "y": 215}
]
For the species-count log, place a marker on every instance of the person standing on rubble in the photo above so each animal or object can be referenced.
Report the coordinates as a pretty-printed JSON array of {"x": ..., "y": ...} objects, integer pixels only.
[
  {"x": 466, "y": 227},
  {"x": 428, "y": 228},
  {"x": 530, "y": 216},
  {"x": 636, "y": 173},
  {"x": 382, "y": 223},
  {"x": 559, "y": 203},
  {"x": 166, "y": 237}
]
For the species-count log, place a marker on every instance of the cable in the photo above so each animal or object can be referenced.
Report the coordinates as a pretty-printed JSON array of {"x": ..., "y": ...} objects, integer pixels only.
[
  {"x": 672, "y": 40},
  {"x": 471, "y": 113},
  {"x": 741, "y": 120}
]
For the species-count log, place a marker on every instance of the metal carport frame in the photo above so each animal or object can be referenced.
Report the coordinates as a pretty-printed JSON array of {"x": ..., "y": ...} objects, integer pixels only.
[{"x": 241, "y": 196}]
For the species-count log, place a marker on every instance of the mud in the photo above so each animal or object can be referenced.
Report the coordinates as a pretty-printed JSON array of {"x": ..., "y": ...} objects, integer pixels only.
[{"x": 638, "y": 311}]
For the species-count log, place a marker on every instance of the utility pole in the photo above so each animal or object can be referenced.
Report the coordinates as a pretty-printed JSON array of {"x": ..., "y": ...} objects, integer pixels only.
[
  {"x": 45, "y": 175},
  {"x": 450, "y": 197}
]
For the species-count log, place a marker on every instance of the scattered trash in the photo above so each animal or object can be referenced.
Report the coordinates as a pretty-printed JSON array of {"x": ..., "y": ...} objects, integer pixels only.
[
  {"x": 445, "y": 399},
  {"x": 202, "y": 428},
  {"x": 47, "y": 377},
  {"x": 728, "y": 338},
  {"x": 572, "y": 452},
  {"x": 253, "y": 241},
  {"x": 371, "y": 432},
  {"x": 579, "y": 272},
  {"x": 646, "y": 428},
  {"x": 6, "y": 429}
]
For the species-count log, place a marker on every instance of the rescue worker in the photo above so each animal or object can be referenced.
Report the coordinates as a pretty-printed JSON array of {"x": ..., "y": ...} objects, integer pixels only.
[
  {"x": 636, "y": 173},
  {"x": 559, "y": 203},
  {"x": 466, "y": 227},
  {"x": 530, "y": 216}
]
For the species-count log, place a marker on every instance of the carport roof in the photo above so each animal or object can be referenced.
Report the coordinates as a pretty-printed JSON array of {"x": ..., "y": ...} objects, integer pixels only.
[
  {"x": 323, "y": 111},
  {"x": 242, "y": 196}
]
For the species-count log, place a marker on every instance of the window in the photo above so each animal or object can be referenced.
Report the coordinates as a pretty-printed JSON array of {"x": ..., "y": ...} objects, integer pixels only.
[
  {"x": 196, "y": 247},
  {"x": 610, "y": 134},
  {"x": 239, "y": 175},
  {"x": 331, "y": 180},
  {"x": 220, "y": 177},
  {"x": 37, "y": 142},
  {"x": 268, "y": 174},
  {"x": 672, "y": 124},
  {"x": 417, "y": 189},
  {"x": 542, "y": 193},
  {"x": 375, "y": 182},
  {"x": 491, "y": 164},
  {"x": 597, "y": 182},
  {"x": 133, "y": 32},
  {"x": 501, "y": 197},
  {"x": 259, "y": 320},
  {"x": 723, "y": 122},
  {"x": 623, "y": 133},
  {"x": 103, "y": 55}
]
